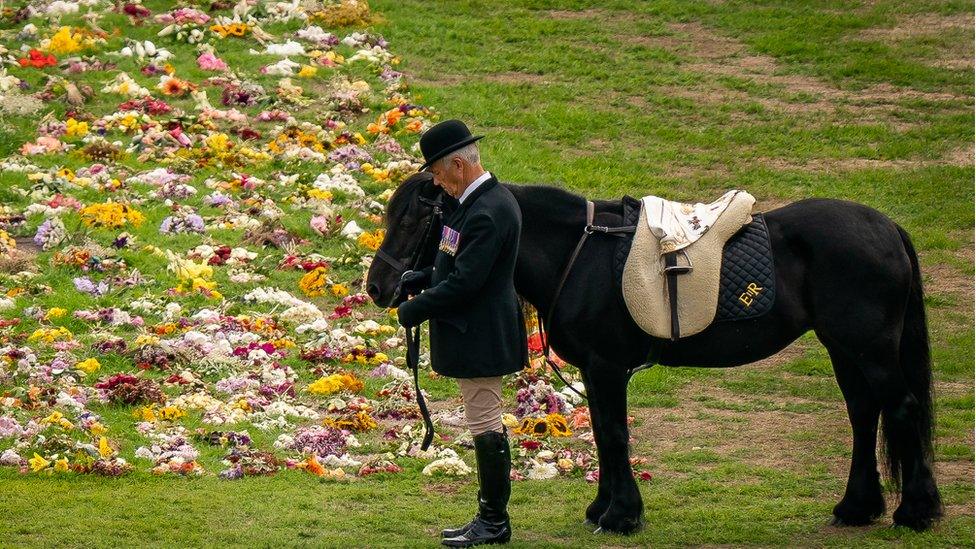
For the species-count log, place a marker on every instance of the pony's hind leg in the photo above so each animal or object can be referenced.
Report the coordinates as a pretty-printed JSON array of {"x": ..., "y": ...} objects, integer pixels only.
[
  {"x": 907, "y": 442},
  {"x": 863, "y": 500}
]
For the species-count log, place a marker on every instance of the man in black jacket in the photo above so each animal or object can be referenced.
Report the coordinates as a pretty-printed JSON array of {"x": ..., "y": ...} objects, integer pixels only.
[{"x": 477, "y": 333}]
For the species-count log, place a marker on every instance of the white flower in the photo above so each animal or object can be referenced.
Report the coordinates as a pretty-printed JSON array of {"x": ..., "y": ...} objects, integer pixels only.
[
  {"x": 341, "y": 181},
  {"x": 10, "y": 457},
  {"x": 343, "y": 461},
  {"x": 124, "y": 85},
  {"x": 6, "y": 304},
  {"x": 302, "y": 314},
  {"x": 285, "y": 67},
  {"x": 288, "y": 48},
  {"x": 451, "y": 466},
  {"x": 172, "y": 310},
  {"x": 570, "y": 396},
  {"x": 59, "y": 8},
  {"x": 542, "y": 471},
  {"x": 318, "y": 326},
  {"x": 352, "y": 230}
]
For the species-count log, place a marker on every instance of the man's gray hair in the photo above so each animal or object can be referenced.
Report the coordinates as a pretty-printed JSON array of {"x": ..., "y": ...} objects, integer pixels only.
[{"x": 468, "y": 153}]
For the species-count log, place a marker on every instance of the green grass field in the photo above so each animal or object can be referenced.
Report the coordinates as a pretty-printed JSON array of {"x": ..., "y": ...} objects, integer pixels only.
[{"x": 868, "y": 100}]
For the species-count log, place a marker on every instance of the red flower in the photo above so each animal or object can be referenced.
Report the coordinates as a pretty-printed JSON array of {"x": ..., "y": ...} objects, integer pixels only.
[
  {"x": 37, "y": 59},
  {"x": 531, "y": 444},
  {"x": 535, "y": 343}
]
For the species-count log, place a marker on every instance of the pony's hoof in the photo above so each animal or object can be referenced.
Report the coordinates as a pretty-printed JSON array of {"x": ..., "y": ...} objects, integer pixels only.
[
  {"x": 847, "y": 514},
  {"x": 920, "y": 513},
  {"x": 850, "y": 521},
  {"x": 620, "y": 524}
]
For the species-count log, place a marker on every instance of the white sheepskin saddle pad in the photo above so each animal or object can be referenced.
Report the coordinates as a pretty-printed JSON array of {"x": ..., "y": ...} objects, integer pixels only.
[{"x": 699, "y": 232}]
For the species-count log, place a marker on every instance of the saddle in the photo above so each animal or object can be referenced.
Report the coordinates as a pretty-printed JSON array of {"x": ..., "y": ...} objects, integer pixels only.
[{"x": 682, "y": 257}]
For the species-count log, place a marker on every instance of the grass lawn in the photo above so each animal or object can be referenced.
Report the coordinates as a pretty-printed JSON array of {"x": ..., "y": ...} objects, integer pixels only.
[{"x": 870, "y": 101}]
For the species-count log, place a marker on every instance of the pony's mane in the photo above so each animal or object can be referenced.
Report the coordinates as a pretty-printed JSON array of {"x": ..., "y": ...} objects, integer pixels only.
[
  {"x": 557, "y": 202},
  {"x": 400, "y": 200}
]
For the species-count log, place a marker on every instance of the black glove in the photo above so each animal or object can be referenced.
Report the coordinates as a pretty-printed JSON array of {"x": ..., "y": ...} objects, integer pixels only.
[
  {"x": 404, "y": 315},
  {"x": 413, "y": 282}
]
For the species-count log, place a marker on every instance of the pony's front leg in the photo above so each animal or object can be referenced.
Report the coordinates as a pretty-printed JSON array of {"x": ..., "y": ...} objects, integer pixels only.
[
  {"x": 607, "y": 393},
  {"x": 601, "y": 503}
]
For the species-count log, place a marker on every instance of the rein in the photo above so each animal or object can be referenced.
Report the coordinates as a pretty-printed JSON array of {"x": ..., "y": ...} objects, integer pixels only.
[
  {"x": 413, "y": 334},
  {"x": 588, "y": 229}
]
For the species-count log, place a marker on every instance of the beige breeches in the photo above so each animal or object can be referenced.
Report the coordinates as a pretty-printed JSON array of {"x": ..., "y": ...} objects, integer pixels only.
[{"x": 482, "y": 398}]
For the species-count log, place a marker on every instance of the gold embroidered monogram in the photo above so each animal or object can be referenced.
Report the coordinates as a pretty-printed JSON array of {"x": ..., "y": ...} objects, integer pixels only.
[{"x": 747, "y": 297}]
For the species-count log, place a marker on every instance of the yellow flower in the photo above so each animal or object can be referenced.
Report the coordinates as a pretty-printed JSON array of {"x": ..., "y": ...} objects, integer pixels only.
[
  {"x": 64, "y": 42},
  {"x": 55, "y": 312},
  {"x": 76, "y": 129},
  {"x": 38, "y": 463},
  {"x": 187, "y": 270},
  {"x": 104, "y": 449},
  {"x": 97, "y": 429},
  {"x": 307, "y": 71},
  {"x": 111, "y": 215},
  {"x": 61, "y": 465},
  {"x": 319, "y": 194},
  {"x": 89, "y": 366},
  {"x": 371, "y": 240},
  {"x": 145, "y": 339},
  {"x": 50, "y": 335},
  {"x": 335, "y": 382},
  {"x": 339, "y": 290},
  {"x": 313, "y": 282},
  {"x": 55, "y": 417}
]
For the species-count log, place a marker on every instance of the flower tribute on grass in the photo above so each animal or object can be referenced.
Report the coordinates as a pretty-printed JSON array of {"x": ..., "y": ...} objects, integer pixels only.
[{"x": 201, "y": 198}]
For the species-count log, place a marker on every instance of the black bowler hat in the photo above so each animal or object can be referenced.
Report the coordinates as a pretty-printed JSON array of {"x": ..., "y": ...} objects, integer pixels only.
[{"x": 443, "y": 139}]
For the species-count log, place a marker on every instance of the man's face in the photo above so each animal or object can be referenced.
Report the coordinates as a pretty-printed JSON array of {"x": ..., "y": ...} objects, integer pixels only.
[{"x": 447, "y": 175}]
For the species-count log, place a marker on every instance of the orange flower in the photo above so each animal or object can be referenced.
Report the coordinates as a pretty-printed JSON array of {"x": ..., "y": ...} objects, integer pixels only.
[
  {"x": 414, "y": 126},
  {"x": 313, "y": 466},
  {"x": 172, "y": 87},
  {"x": 393, "y": 116}
]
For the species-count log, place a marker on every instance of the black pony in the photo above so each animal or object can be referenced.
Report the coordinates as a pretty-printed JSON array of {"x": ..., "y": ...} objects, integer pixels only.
[{"x": 843, "y": 270}]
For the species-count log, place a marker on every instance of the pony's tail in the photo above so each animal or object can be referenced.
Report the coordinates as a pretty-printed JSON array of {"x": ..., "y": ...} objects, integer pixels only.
[{"x": 916, "y": 367}]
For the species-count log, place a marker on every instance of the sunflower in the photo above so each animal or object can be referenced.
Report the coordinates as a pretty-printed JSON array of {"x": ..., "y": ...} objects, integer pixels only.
[{"x": 558, "y": 426}]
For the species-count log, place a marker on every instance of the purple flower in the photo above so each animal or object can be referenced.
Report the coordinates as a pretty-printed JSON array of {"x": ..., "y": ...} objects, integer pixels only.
[
  {"x": 321, "y": 441},
  {"x": 9, "y": 427},
  {"x": 41, "y": 236},
  {"x": 217, "y": 199},
  {"x": 85, "y": 285}
]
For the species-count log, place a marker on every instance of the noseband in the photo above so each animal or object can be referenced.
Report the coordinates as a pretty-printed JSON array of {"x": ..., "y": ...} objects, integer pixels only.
[{"x": 418, "y": 251}]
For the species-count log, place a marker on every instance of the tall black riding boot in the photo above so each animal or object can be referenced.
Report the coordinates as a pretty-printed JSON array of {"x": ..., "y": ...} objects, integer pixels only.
[{"x": 491, "y": 524}]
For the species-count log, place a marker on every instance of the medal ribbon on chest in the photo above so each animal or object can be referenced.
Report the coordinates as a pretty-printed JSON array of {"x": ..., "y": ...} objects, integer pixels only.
[{"x": 450, "y": 239}]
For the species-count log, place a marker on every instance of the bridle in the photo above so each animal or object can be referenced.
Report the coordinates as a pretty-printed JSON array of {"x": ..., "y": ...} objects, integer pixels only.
[
  {"x": 413, "y": 334},
  {"x": 414, "y": 261}
]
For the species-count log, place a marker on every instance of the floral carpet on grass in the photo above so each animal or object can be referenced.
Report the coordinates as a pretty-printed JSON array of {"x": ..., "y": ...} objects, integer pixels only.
[{"x": 191, "y": 201}]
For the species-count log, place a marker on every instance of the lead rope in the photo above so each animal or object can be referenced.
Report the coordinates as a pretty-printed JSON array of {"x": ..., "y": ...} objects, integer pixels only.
[{"x": 413, "y": 362}]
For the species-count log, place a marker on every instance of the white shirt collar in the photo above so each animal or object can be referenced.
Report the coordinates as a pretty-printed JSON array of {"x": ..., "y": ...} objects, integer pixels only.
[{"x": 474, "y": 185}]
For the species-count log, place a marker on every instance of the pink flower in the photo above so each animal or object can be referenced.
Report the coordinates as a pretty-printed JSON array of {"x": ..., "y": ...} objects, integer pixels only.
[
  {"x": 319, "y": 224},
  {"x": 210, "y": 62}
]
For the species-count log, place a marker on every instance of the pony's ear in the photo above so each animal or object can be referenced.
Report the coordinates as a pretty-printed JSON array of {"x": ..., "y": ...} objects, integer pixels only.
[{"x": 425, "y": 180}]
